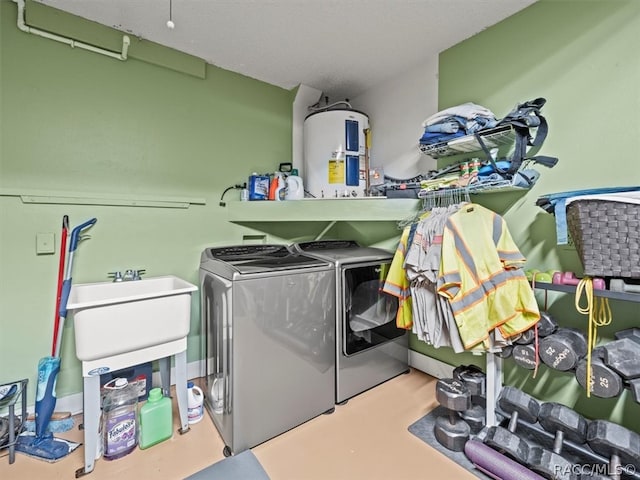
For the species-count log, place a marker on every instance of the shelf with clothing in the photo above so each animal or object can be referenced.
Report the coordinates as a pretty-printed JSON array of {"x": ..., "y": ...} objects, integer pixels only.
[{"x": 498, "y": 137}]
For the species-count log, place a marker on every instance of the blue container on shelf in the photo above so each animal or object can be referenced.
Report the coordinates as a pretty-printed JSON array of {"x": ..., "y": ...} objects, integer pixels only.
[{"x": 258, "y": 187}]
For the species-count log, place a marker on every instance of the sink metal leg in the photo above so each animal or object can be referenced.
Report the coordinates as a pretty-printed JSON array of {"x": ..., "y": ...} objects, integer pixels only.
[
  {"x": 180, "y": 366},
  {"x": 181, "y": 389},
  {"x": 91, "y": 395},
  {"x": 165, "y": 375}
]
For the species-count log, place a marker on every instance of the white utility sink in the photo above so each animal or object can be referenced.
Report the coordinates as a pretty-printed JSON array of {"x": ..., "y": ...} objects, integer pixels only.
[{"x": 111, "y": 318}]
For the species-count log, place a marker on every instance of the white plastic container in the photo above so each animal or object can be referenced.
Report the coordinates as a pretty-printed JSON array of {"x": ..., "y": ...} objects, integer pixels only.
[
  {"x": 295, "y": 188},
  {"x": 334, "y": 151},
  {"x": 195, "y": 401}
]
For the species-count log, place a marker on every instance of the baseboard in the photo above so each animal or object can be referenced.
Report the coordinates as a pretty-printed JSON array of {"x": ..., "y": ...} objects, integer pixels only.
[
  {"x": 73, "y": 403},
  {"x": 431, "y": 366}
]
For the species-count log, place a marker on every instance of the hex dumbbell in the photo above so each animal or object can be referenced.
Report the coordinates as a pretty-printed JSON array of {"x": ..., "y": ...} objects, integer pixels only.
[
  {"x": 632, "y": 333},
  {"x": 615, "y": 442},
  {"x": 518, "y": 405},
  {"x": 450, "y": 430},
  {"x": 604, "y": 381},
  {"x": 564, "y": 423},
  {"x": 622, "y": 356},
  {"x": 634, "y": 385},
  {"x": 524, "y": 352},
  {"x": 476, "y": 381}
]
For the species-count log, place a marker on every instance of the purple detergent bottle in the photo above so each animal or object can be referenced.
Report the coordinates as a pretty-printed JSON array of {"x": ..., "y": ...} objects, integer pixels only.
[{"x": 119, "y": 426}]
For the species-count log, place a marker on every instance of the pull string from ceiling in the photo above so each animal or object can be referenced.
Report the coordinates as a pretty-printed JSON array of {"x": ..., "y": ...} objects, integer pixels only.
[{"x": 170, "y": 23}]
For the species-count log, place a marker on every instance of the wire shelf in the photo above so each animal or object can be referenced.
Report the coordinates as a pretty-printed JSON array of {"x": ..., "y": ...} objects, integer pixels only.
[{"x": 494, "y": 137}]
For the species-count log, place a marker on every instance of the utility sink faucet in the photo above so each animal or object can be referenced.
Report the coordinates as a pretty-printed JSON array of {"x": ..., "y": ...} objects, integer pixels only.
[{"x": 128, "y": 275}]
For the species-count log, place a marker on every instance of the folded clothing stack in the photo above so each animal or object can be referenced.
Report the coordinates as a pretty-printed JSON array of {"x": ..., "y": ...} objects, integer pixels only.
[{"x": 458, "y": 121}]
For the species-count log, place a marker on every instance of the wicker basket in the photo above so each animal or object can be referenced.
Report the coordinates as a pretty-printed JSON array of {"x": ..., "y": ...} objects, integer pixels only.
[{"x": 607, "y": 237}]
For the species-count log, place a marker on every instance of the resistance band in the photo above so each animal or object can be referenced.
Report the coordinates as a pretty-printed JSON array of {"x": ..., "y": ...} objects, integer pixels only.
[{"x": 599, "y": 315}]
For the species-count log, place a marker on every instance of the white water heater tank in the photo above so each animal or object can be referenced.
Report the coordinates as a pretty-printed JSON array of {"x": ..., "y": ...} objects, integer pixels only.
[{"x": 334, "y": 153}]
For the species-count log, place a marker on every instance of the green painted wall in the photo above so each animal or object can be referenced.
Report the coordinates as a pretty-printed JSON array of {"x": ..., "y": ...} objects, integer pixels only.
[
  {"x": 76, "y": 122},
  {"x": 582, "y": 56}
]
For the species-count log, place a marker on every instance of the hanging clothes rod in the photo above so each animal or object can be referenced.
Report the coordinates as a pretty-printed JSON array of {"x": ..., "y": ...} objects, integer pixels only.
[{"x": 443, "y": 197}]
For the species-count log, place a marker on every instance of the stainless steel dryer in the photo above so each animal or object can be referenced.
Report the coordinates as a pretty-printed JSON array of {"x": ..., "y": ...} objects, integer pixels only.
[
  {"x": 370, "y": 349},
  {"x": 268, "y": 326}
]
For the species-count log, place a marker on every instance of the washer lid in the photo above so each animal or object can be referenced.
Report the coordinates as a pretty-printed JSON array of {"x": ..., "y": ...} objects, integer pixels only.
[
  {"x": 342, "y": 251},
  {"x": 261, "y": 258},
  {"x": 318, "y": 246}
]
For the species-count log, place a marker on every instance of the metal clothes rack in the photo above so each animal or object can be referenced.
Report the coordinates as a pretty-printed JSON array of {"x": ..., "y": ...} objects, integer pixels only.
[{"x": 494, "y": 365}]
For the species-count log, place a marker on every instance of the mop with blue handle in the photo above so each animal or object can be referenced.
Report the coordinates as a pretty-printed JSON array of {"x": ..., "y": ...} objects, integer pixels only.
[{"x": 41, "y": 443}]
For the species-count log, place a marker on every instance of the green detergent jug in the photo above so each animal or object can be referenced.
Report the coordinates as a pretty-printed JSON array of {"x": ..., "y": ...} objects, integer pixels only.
[{"x": 156, "y": 419}]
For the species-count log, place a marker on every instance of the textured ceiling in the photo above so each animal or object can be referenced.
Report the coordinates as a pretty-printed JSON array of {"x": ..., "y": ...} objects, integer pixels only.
[{"x": 341, "y": 47}]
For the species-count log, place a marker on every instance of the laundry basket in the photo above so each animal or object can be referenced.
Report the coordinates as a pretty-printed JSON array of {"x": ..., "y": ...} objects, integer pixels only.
[{"x": 607, "y": 237}]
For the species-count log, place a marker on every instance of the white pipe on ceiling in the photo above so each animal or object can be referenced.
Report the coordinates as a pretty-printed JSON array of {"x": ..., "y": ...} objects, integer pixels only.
[{"x": 69, "y": 41}]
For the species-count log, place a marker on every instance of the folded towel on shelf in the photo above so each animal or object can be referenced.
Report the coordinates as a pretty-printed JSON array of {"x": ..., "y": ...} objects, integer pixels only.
[
  {"x": 455, "y": 122},
  {"x": 467, "y": 110}
]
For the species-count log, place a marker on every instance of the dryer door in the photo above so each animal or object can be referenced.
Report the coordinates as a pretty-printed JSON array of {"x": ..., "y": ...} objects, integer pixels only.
[{"x": 369, "y": 314}]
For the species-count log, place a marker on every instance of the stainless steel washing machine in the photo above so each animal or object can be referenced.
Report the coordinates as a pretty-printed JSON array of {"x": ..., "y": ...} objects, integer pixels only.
[
  {"x": 370, "y": 349},
  {"x": 268, "y": 326}
]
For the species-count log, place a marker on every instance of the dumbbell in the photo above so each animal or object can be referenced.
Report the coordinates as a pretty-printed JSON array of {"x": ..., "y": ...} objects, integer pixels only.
[
  {"x": 506, "y": 351},
  {"x": 524, "y": 352},
  {"x": 546, "y": 325},
  {"x": 476, "y": 381},
  {"x": 615, "y": 442},
  {"x": 632, "y": 333},
  {"x": 562, "y": 350},
  {"x": 526, "y": 337},
  {"x": 634, "y": 385},
  {"x": 605, "y": 382},
  {"x": 619, "y": 285},
  {"x": 612, "y": 363},
  {"x": 565, "y": 423},
  {"x": 518, "y": 405},
  {"x": 622, "y": 356},
  {"x": 524, "y": 356},
  {"x": 450, "y": 430},
  {"x": 569, "y": 278}
]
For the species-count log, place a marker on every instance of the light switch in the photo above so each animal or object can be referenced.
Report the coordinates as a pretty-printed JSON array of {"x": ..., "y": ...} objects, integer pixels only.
[{"x": 45, "y": 243}]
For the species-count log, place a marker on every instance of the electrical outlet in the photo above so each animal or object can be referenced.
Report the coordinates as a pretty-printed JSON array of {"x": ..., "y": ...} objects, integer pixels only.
[{"x": 45, "y": 243}]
